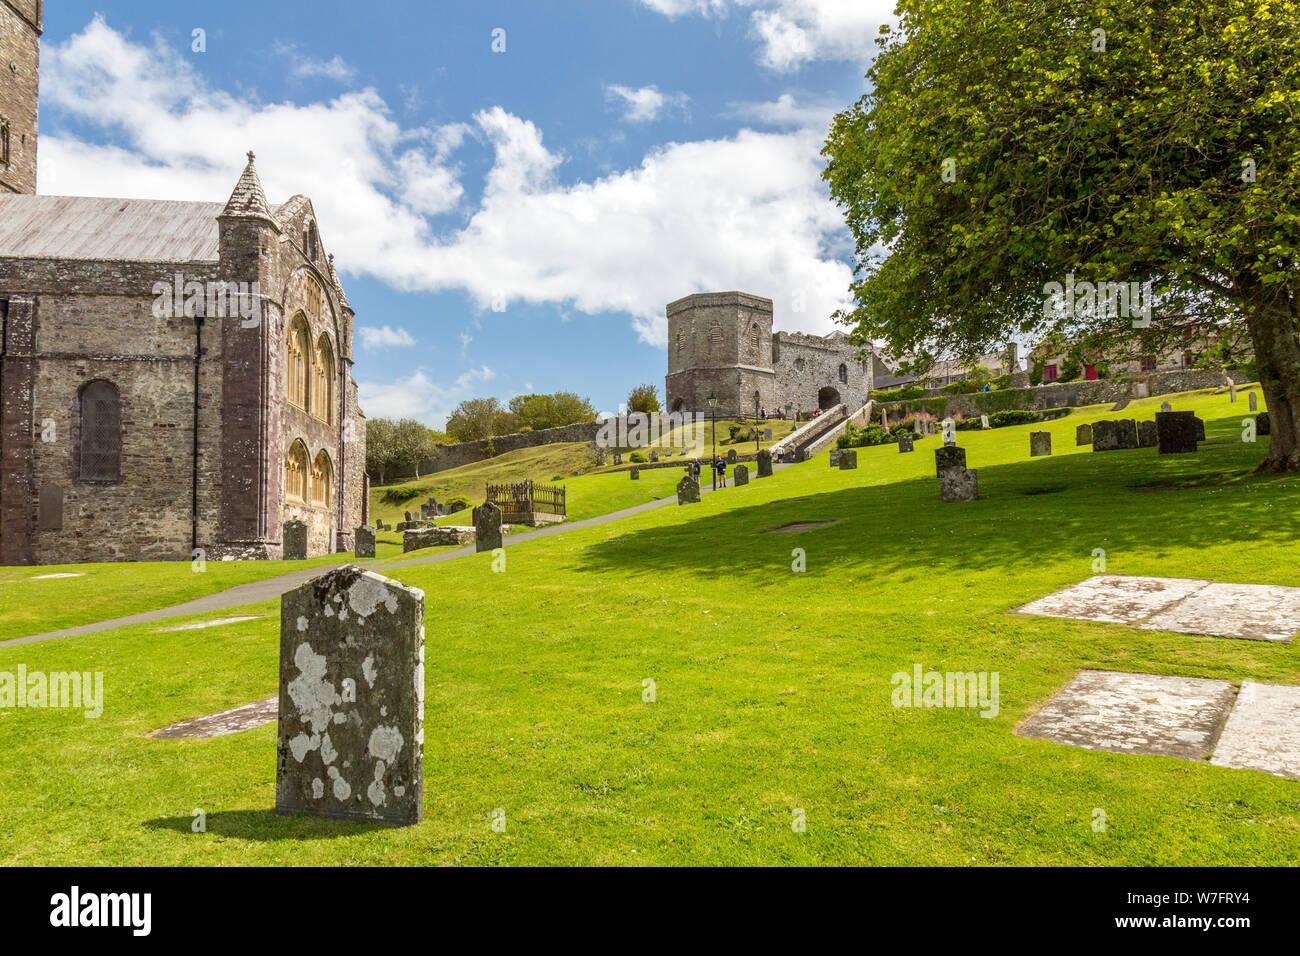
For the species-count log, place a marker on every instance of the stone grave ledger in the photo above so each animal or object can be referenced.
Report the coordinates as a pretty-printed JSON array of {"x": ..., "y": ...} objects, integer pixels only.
[
  {"x": 351, "y": 726},
  {"x": 487, "y": 527},
  {"x": 1175, "y": 432},
  {"x": 848, "y": 459},
  {"x": 364, "y": 542},
  {"x": 1040, "y": 443},
  {"x": 948, "y": 456},
  {"x": 742, "y": 475},
  {"x": 295, "y": 540},
  {"x": 688, "y": 491}
]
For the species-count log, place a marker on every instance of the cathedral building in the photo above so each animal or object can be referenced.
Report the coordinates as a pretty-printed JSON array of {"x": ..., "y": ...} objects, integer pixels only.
[{"x": 175, "y": 376}]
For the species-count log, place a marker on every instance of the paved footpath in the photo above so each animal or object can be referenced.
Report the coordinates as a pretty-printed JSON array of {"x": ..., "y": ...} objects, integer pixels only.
[{"x": 255, "y": 592}]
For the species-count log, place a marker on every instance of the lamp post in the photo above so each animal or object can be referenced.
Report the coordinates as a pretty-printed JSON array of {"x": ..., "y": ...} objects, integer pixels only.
[{"x": 713, "y": 432}]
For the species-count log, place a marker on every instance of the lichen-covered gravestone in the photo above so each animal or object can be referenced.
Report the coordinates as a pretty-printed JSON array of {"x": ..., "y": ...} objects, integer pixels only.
[
  {"x": 848, "y": 459},
  {"x": 618, "y": 459},
  {"x": 765, "y": 464},
  {"x": 688, "y": 491},
  {"x": 1128, "y": 432},
  {"x": 1200, "y": 429},
  {"x": 1254, "y": 402},
  {"x": 767, "y": 434},
  {"x": 635, "y": 473},
  {"x": 487, "y": 527},
  {"x": 1164, "y": 407},
  {"x": 654, "y": 456},
  {"x": 1175, "y": 432},
  {"x": 904, "y": 443},
  {"x": 295, "y": 540},
  {"x": 1040, "y": 443},
  {"x": 1148, "y": 436},
  {"x": 958, "y": 484},
  {"x": 835, "y": 456},
  {"x": 364, "y": 542},
  {"x": 731, "y": 456},
  {"x": 742, "y": 475},
  {"x": 947, "y": 457},
  {"x": 1105, "y": 436},
  {"x": 1083, "y": 435},
  {"x": 351, "y": 734}
]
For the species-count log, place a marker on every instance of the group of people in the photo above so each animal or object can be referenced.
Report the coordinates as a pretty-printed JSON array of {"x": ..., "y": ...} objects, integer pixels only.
[{"x": 719, "y": 469}]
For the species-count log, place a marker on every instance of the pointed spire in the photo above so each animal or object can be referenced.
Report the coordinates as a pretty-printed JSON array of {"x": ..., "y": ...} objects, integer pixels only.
[{"x": 248, "y": 199}]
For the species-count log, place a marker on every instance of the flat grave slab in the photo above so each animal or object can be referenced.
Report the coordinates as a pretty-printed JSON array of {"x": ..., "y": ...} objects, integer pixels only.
[
  {"x": 1257, "y": 612},
  {"x": 226, "y": 722},
  {"x": 1261, "y": 612},
  {"x": 1263, "y": 731},
  {"x": 1134, "y": 713}
]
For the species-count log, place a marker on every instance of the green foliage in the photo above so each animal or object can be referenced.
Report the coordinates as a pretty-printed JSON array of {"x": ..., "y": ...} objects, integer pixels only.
[
  {"x": 644, "y": 398},
  {"x": 478, "y": 418},
  {"x": 1015, "y": 416},
  {"x": 538, "y": 411},
  {"x": 637, "y": 458},
  {"x": 393, "y": 446},
  {"x": 401, "y": 494},
  {"x": 899, "y": 394}
]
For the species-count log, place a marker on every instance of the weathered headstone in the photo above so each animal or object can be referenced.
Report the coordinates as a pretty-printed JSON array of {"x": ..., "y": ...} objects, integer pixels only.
[
  {"x": 1262, "y": 424},
  {"x": 1128, "y": 432},
  {"x": 731, "y": 456},
  {"x": 1254, "y": 402},
  {"x": 295, "y": 540},
  {"x": 904, "y": 443},
  {"x": 958, "y": 484},
  {"x": 618, "y": 459},
  {"x": 634, "y": 472},
  {"x": 1166, "y": 407},
  {"x": 1083, "y": 435},
  {"x": 984, "y": 421},
  {"x": 848, "y": 459},
  {"x": 1200, "y": 429},
  {"x": 1105, "y": 435},
  {"x": 767, "y": 434},
  {"x": 1148, "y": 434},
  {"x": 424, "y": 511},
  {"x": 654, "y": 456},
  {"x": 688, "y": 491},
  {"x": 948, "y": 457},
  {"x": 742, "y": 475},
  {"x": 409, "y": 519},
  {"x": 835, "y": 456},
  {"x": 351, "y": 724},
  {"x": 1232, "y": 391},
  {"x": 363, "y": 542},
  {"x": 1175, "y": 432},
  {"x": 1040, "y": 443},
  {"x": 487, "y": 527},
  {"x": 764, "y": 464}
]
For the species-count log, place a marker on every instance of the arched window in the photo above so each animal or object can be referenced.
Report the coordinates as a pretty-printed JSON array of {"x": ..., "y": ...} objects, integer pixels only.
[
  {"x": 101, "y": 432},
  {"x": 300, "y": 356},
  {"x": 798, "y": 365},
  {"x": 295, "y": 473},
  {"x": 323, "y": 385},
  {"x": 322, "y": 480},
  {"x": 844, "y": 373}
]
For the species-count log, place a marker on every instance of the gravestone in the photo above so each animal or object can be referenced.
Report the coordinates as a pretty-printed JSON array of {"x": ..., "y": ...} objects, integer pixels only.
[
  {"x": 1148, "y": 435},
  {"x": 363, "y": 542},
  {"x": 731, "y": 456},
  {"x": 1040, "y": 443},
  {"x": 50, "y": 512},
  {"x": 1105, "y": 436},
  {"x": 432, "y": 503},
  {"x": 1141, "y": 390},
  {"x": 487, "y": 527},
  {"x": 654, "y": 456},
  {"x": 1083, "y": 435},
  {"x": 1262, "y": 425},
  {"x": 767, "y": 434},
  {"x": 1128, "y": 432},
  {"x": 688, "y": 491},
  {"x": 1232, "y": 391},
  {"x": 618, "y": 459},
  {"x": 455, "y": 506},
  {"x": 1165, "y": 407},
  {"x": 295, "y": 540},
  {"x": 984, "y": 421},
  {"x": 1200, "y": 429},
  {"x": 635, "y": 472},
  {"x": 835, "y": 456},
  {"x": 742, "y": 475},
  {"x": 351, "y": 727},
  {"x": 848, "y": 459},
  {"x": 435, "y": 537},
  {"x": 1254, "y": 402},
  {"x": 948, "y": 457},
  {"x": 765, "y": 464},
  {"x": 904, "y": 444},
  {"x": 958, "y": 484},
  {"x": 409, "y": 519},
  {"x": 424, "y": 512},
  {"x": 1175, "y": 432}
]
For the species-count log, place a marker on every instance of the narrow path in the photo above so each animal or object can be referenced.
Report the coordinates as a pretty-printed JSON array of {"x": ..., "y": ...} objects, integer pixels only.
[{"x": 255, "y": 592}]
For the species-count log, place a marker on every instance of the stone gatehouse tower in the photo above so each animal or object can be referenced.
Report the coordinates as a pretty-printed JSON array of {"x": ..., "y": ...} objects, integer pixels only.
[{"x": 722, "y": 344}]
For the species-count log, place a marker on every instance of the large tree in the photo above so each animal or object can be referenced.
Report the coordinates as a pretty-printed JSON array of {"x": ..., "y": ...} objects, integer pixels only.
[
  {"x": 1007, "y": 144},
  {"x": 537, "y": 411},
  {"x": 644, "y": 398},
  {"x": 477, "y": 418}
]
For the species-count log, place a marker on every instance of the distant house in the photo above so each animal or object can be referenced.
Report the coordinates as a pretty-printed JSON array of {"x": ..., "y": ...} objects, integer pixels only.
[
  {"x": 1197, "y": 341},
  {"x": 946, "y": 371}
]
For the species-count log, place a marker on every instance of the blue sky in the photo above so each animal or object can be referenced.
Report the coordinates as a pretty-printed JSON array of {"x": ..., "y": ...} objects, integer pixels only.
[{"x": 503, "y": 221}]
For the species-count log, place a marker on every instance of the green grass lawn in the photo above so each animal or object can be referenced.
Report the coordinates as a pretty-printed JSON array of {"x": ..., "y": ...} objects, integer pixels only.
[{"x": 772, "y": 687}]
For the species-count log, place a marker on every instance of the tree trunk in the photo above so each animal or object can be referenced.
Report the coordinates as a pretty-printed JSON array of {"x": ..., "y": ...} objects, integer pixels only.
[{"x": 1271, "y": 318}]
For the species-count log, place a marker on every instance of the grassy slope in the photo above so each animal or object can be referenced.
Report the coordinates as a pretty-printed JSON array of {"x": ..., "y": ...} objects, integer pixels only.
[{"x": 773, "y": 688}]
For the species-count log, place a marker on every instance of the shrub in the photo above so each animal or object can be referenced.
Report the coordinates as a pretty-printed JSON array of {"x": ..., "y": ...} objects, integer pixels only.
[
  {"x": 899, "y": 394},
  {"x": 1015, "y": 416},
  {"x": 637, "y": 458},
  {"x": 855, "y": 437},
  {"x": 398, "y": 496},
  {"x": 456, "y": 500},
  {"x": 964, "y": 387}
]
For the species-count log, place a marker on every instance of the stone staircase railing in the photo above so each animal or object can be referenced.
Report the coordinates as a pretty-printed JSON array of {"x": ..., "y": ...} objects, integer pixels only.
[
  {"x": 827, "y": 438},
  {"x": 808, "y": 433}
]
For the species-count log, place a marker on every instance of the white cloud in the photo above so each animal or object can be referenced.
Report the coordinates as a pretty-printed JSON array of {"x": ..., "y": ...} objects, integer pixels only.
[
  {"x": 744, "y": 212},
  {"x": 794, "y": 32},
  {"x": 384, "y": 337},
  {"x": 419, "y": 397},
  {"x": 307, "y": 67},
  {"x": 787, "y": 111},
  {"x": 644, "y": 104}
]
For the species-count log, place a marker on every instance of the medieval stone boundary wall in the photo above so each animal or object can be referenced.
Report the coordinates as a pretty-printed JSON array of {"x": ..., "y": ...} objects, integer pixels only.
[{"x": 466, "y": 453}]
